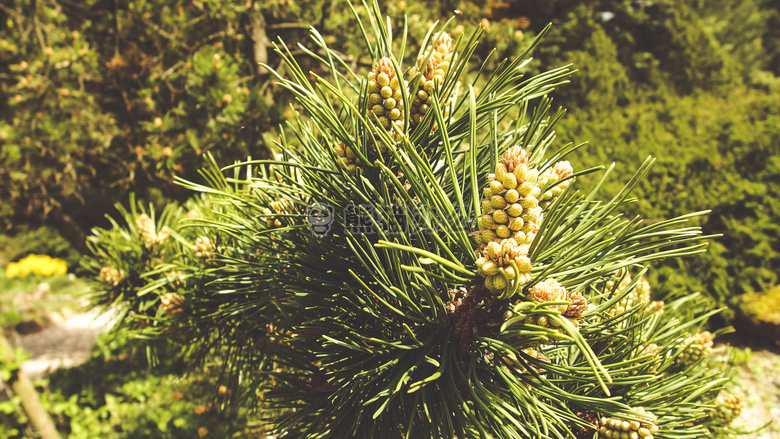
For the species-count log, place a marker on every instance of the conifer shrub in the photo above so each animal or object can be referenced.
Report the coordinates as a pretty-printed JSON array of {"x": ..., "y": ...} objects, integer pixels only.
[{"x": 418, "y": 260}]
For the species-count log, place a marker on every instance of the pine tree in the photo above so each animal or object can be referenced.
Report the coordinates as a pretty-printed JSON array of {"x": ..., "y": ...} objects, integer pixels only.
[{"x": 418, "y": 262}]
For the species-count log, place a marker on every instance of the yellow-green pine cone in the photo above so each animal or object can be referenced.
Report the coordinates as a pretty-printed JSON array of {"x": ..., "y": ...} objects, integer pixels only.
[
  {"x": 510, "y": 200},
  {"x": 554, "y": 181},
  {"x": 697, "y": 347},
  {"x": 619, "y": 282},
  {"x": 347, "y": 158},
  {"x": 494, "y": 264},
  {"x": 111, "y": 276},
  {"x": 385, "y": 100},
  {"x": 728, "y": 407},
  {"x": 172, "y": 304},
  {"x": 146, "y": 230},
  {"x": 203, "y": 248},
  {"x": 510, "y": 214},
  {"x": 433, "y": 73},
  {"x": 533, "y": 223},
  {"x": 619, "y": 428}
]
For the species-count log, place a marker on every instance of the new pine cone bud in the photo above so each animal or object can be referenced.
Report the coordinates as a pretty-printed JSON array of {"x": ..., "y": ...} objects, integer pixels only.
[
  {"x": 577, "y": 306},
  {"x": 385, "y": 100},
  {"x": 110, "y": 276},
  {"x": 172, "y": 304},
  {"x": 728, "y": 407},
  {"x": 347, "y": 158},
  {"x": 146, "y": 230},
  {"x": 697, "y": 347},
  {"x": 549, "y": 290},
  {"x": 433, "y": 74},
  {"x": 203, "y": 248},
  {"x": 619, "y": 428}
]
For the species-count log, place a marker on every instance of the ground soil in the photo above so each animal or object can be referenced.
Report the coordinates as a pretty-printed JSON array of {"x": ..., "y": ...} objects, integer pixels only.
[
  {"x": 67, "y": 342},
  {"x": 757, "y": 375}
]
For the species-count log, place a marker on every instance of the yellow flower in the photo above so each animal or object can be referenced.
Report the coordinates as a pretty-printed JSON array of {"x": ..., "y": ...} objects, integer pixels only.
[{"x": 36, "y": 264}]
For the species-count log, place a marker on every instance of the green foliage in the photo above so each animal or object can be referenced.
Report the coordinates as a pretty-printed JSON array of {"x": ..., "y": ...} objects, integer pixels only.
[
  {"x": 10, "y": 405},
  {"x": 771, "y": 41},
  {"x": 150, "y": 88},
  {"x": 669, "y": 45},
  {"x": 695, "y": 59},
  {"x": 707, "y": 147},
  {"x": 126, "y": 258},
  {"x": 582, "y": 41},
  {"x": 740, "y": 29},
  {"x": 43, "y": 153},
  {"x": 98, "y": 99},
  {"x": 116, "y": 395}
]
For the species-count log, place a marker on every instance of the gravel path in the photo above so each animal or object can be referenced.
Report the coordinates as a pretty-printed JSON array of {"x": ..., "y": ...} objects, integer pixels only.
[
  {"x": 66, "y": 343},
  {"x": 759, "y": 380}
]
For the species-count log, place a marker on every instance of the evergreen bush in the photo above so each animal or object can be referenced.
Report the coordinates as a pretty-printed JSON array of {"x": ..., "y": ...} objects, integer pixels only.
[{"x": 417, "y": 261}]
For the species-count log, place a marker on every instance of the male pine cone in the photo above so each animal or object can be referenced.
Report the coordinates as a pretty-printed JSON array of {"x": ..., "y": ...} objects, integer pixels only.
[
  {"x": 617, "y": 428},
  {"x": 172, "y": 304},
  {"x": 728, "y": 407},
  {"x": 347, "y": 157},
  {"x": 511, "y": 217},
  {"x": 696, "y": 347},
  {"x": 433, "y": 73},
  {"x": 385, "y": 99},
  {"x": 621, "y": 279},
  {"x": 555, "y": 180}
]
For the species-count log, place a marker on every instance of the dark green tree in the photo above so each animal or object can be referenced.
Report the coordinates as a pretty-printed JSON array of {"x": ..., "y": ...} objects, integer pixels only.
[
  {"x": 99, "y": 98},
  {"x": 771, "y": 41}
]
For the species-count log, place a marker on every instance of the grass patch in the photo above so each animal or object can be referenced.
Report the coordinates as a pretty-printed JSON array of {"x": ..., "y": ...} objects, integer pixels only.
[{"x": 116, "y": 394}]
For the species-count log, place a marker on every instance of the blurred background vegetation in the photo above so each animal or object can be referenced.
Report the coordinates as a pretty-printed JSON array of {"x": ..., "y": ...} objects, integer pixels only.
[{"x": 103, "y": 98}]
